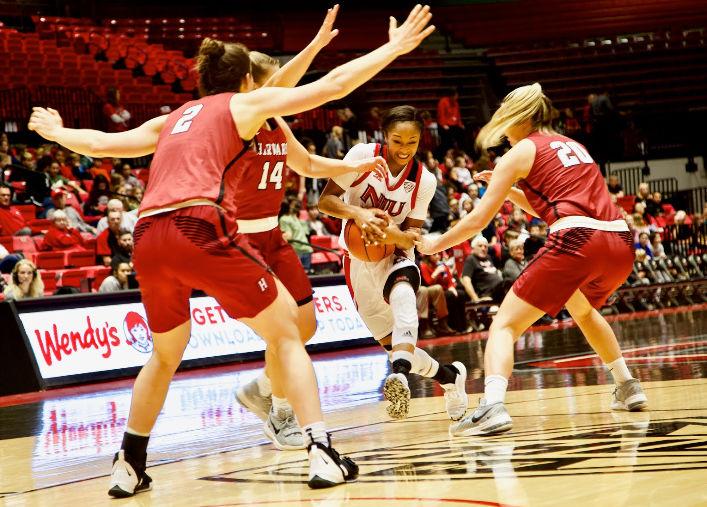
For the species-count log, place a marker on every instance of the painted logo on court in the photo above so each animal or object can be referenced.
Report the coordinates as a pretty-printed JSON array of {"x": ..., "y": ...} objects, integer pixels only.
[{"x": 137, "y": 333}]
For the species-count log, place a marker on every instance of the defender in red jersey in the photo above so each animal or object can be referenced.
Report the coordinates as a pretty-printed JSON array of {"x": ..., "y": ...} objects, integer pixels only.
[
  {"x": 203, "y": 230},
  {"x": 587, "y": 256}
]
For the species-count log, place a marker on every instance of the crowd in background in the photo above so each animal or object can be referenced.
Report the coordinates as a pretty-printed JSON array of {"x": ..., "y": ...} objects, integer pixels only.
[{"x": 91, "y": 204}]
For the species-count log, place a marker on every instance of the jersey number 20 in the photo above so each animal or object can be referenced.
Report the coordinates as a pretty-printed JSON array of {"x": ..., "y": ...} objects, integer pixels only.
[
  {"x": 571, "y": 153},
  {"x": 275, "y": 176},
  {"x": 184, "y": 123}
]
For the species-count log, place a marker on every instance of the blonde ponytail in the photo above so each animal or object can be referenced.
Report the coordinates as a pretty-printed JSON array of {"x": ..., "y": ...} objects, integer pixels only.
[{"x": 522, "y": 104}]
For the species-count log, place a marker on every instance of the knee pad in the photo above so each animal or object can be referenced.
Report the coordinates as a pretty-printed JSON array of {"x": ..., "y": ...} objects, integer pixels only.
[
  {"x": 405, "y": 274},
  {"x": 404, "y": 306}
]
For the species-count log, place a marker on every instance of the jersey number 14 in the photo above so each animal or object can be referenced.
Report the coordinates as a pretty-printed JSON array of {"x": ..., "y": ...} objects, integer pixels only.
[
  {"x": 571, "y": 153},
  {"x": 275, "y": 176}
]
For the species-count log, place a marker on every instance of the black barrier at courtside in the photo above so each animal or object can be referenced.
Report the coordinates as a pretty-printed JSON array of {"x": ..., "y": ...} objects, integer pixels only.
[{"x": 62, "y": 340}]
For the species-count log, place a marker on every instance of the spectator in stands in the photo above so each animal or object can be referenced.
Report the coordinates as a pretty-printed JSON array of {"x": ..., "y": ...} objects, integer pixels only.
[
  {"x": 536, "y": 239},
  {"x": 435, "y": 272},
  {"x": 28, "y": 161},
  {"x": 60, "y": 235},
  {"x": 569, "y": 125},
  {"x": 449, "y": 121},
  {"x": 439, "y": 209},
  {"x": 127, "y": 220},
  {"x": 295, "y": 231},
  {"x": 334, "y": 147},
  {"x": 12, "y": 223},
  {"x": 98, "y": 197},
  {"x": 466, "y": 205},
  {"x": 314, "y": 223},
  {"x": 657, "y": 246},
  {"x": 480, "y": 278},
  {"x": 515, "y": 263},
  {"x": 432, "y": 297},
  {"x": 123, "y": 251},
  {"x": 58, "y": 180},
  {"x": 614, "y": 186},
  {"x": 643, "y": 192},
  {"x": 25, "y": 282},
  {"x": 75, "y": 219},
  {"x": 126, "y": 171},
  {"x": 118, "y": 280},
  {"x": 654, "y": 205},
  {"x": 499, "y": 253},
  {"x": 115, "y": 115},
  {"x": 460, "y": 175},
  {"x": 7, "y": 261},
  {"x": 107, "y": 241}
]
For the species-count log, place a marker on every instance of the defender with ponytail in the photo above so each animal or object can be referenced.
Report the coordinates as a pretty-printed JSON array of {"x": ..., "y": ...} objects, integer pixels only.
[{"x": 588, "y": 254}]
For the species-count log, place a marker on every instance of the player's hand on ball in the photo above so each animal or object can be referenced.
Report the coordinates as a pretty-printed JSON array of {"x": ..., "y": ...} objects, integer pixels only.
[
  {"x": 484, "y": 176},
  {"x": 373, "y": 164},
  {"x": 327, "y": 32},
  {"x": 45, "y": 121},
  {"x": 372, "y": 223}
]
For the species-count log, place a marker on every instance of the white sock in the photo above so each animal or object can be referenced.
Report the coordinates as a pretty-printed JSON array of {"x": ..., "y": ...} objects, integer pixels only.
[
  {"x": 264, "y": 386},
  {"x": 279, "y": 404},
  {"x": 423, "y": 364},
  {"x": 403, "y": 302},
  {"x": 495, "y": 389},
  {"x": 403, "y": 354},
  {"x": 316, "y": 432},
  {"x": 619, "y": 370}
]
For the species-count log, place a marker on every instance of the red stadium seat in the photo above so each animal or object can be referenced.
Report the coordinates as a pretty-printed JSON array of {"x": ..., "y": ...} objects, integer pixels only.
[
  {"x": 99, "y": 274},
  {"x": 6, "y": 241},
  {"x": 24, "y": 244},
  {"x": 75, "y": 278},
  {"x": 49, "y": 279},
  {"x": 39, "y": 225},
  {"x": 49, "y": 260},
  {"x": 79, "y": 258}
]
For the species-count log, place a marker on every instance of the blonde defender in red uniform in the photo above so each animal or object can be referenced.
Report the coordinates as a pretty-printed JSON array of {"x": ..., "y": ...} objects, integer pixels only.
[
  {"x": 201, "y": 151},
  {"x": 588, "y": 254}
]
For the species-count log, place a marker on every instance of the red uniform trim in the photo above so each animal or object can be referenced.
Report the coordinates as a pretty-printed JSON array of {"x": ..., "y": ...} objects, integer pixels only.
[{"x": 417, "y": 185}]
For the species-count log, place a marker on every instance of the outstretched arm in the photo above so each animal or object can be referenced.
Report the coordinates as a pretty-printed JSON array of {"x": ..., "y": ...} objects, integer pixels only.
[
  {"x": 314, "y": 166},
  {"x": 515, "y": 195},
  {"x": 514, "y": 165},
  {"x": 250, "y": 110},
  {"x": 137, "y": 142},
  {"x": 291, "y": 73}
]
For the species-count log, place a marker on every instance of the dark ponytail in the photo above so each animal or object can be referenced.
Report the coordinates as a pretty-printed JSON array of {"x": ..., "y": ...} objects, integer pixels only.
[{"x": 221, "y": 66}]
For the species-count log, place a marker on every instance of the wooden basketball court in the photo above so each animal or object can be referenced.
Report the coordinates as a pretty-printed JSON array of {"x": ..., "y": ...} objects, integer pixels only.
[{"x": 566, "y": 448}]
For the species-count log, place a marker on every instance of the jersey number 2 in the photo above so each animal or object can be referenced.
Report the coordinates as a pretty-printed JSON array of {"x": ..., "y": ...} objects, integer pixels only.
[
  {"x": 275, "y": 176},
  {"x": 184, "y": 123},
  {"x": 571, "y": 153}
]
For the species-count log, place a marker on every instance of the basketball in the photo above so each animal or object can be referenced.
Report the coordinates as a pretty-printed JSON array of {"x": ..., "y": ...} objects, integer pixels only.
[{"x": 357, "y": 247}]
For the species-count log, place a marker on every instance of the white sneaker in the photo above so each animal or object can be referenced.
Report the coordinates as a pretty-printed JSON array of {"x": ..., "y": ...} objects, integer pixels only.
[
  {"x": 485, "y": 420},
  {"x": 284, "y": 432},
  {"x": 250, "y": 398},
  {"x": 327, "y": 468},
  {"x": 455, "y": 398},
  {"x": 629, "y": 396},
  {"x": 397, "y": 391},
  {"x": 124, "y": 480}
]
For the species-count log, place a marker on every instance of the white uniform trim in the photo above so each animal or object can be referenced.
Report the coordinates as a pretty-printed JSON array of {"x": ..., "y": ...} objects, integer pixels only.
[
  {"x": 589, "y": 223},
  {"x": 257, "y": 225}
]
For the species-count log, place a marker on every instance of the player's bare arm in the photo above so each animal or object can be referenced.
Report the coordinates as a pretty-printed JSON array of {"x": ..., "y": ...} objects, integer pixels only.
[
  {"x": 136, "y": 142},
  {"x": 516, "y": 195},
  {"x": 514, "y": 165}
]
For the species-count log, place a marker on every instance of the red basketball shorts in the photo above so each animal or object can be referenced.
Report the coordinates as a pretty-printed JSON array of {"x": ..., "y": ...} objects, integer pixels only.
[
  {"x": 190, "y": 248},
  {"x": 595, "y": 262},
  {"x": 279, "y": 255}
]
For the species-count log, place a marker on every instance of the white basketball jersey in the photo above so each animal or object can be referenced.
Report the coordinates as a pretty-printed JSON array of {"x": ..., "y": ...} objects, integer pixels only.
[{"x": 406, "y": 195}]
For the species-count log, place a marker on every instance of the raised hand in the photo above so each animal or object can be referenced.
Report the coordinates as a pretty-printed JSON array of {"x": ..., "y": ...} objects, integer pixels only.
[
  {"x": 327, "y": 32},
  {"x": 45, "y": 122},
  {"x": 484, "y": 176},
  {"x": 373, "y": 164},
  {"x": 412, "y": 32}
]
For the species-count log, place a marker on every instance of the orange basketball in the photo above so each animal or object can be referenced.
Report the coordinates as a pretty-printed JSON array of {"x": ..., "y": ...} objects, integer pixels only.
[{"x": 357, "y": 248}]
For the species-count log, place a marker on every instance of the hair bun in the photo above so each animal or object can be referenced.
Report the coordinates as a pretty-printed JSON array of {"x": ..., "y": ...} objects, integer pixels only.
[{"x": 212, "y": 48}]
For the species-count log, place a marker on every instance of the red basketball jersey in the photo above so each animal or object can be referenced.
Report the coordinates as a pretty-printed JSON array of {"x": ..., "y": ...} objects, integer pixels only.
[
  {"x": 565, "y": 181},
  {"x": 261, "y": 187},
  {"x": 195, "y": 156}
]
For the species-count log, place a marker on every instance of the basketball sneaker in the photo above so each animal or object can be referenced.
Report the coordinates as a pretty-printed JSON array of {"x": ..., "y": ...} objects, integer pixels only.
[
  {"x": 455, "y": 398},
  {"x": 327, "y": 468},
  {"x": 629, "y": 396},
  {"x": 284, "y": 432},
  {"x": 397, "y": 391},
  {"x": 125, "y": 481},
  {"x": 250, "y": 398},
  {"x": 486, "y": 420}
]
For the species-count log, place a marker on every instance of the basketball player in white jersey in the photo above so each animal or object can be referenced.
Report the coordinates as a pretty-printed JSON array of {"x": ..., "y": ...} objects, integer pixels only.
[{"x": 391, "y": 210}]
